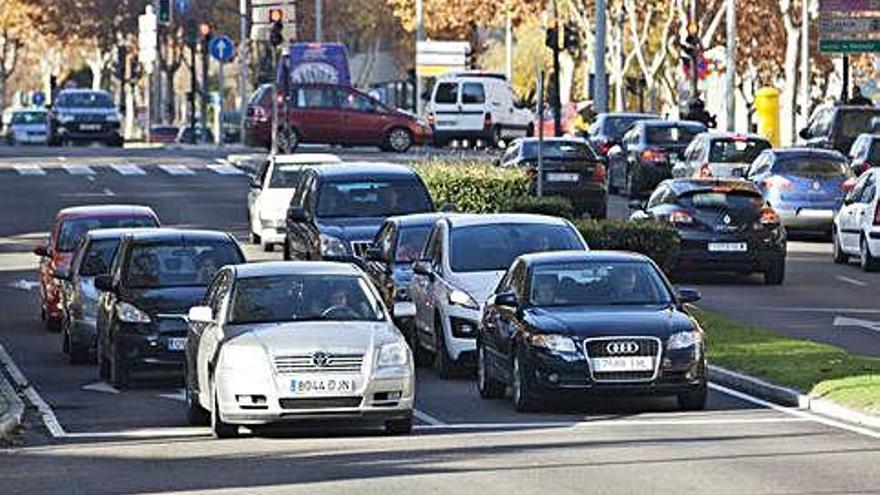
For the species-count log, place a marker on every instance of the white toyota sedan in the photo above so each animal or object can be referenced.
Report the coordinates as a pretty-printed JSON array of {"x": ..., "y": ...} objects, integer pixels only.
[{"x": 286, "y": 341}]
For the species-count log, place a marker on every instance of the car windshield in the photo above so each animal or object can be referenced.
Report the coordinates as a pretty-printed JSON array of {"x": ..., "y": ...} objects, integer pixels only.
[
  {"x": 29, "y": 118},
  {"x": 854, "y": 123},
  {"x": 672, "y": 135},
  {"x": 410, "y": 241},
  {"x": 481, "y": 248},
  {"x": 85, "y": 100},
  {"x": 807, "y": 166},
  {"x": 617, "y": 125},
  {"x": 607, "y": 283},
  {"x": 736, "y": 150},
  {"x": 285, "y": 176},
  {"x": 178, "y": 263},
  {"x": 73, "y": 230},
  {"x": 560, "y": 150},
  {"x": 96, "y": 260},
  {"x": 290, "y": 298},
  {"x": 372, "y": 198}
]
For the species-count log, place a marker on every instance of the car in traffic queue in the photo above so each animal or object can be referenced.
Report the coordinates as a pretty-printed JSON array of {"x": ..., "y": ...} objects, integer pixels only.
[
  {"x": 28, "y": 126},
  {"x": 805, "y": 186},
  {"x": 570, "y": 169},
  {"x": 320, "y": 113},
  {"x": 83, "y": 115},
  {"x": 194, "y": 134},
  {"x": 725, "y": 225},
  {"x": 647, "y": 153},
  {"x": 337, "y": 210},
  {"x": 865, "y": 153},
  {"x": 67, "y": 231},
  {"x": 388, "y": 262},
  {"x": 464, "y": 257},
  {"x": 164, "y": 134},
  {"x": 608, "y": 128},
  {"x": 258, "y": 118},
  {"x": 856, "y": 230},
  {"x": 270, "y": 193},
  {"x": 837, "y": 127},
  {"x": 79, "y": 296},
  {"x": 589, "y": 323},
  {"x": 289, "y": 341},
  {"x": 155, "y": 277},
  {"x": 720, "y": 155}
]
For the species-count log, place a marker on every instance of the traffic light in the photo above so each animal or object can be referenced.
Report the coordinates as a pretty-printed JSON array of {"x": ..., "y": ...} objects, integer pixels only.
[
  {"x": 571, "y": 40},
  {"x": 164, "y": 15},
  {"x": 276, "y": 36},
  {"x": 552, "y": 39}
]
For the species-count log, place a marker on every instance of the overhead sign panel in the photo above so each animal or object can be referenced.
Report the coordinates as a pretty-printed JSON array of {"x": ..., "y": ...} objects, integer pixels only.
[
  {"x": 849, "y": 6},
  {"x": 849, "y": 46},
  {"x": 831, "y": 27},
  {"x": 434, "y": 58}
]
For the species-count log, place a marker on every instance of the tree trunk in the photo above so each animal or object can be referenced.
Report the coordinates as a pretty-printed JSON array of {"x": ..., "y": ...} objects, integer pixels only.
[
  {"x": 2, "y": 90},
  {"x": 787, "y": 102}
]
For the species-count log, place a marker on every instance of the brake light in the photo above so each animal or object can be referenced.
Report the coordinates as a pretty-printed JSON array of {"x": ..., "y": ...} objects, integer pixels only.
[
  {"x": 487, "y": 121},
  {"x": 768, "y": 217},
  {"x": 777, "y": 182},
  {"x": 604, "y": 146},
  {"x": 705, "y": 172},
  {"x": 599, "y": 174},
  {"x": 848, "y": 185},
  {"x": 877, "y": 214},
  {"x": 680, "y": 217},
  {"x": 653, "y": 156}
]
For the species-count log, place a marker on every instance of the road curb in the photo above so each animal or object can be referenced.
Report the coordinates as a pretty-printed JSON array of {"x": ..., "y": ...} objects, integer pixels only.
[
  {"x": 11, "y": 408},
  {"x": 789, "y": 397}
]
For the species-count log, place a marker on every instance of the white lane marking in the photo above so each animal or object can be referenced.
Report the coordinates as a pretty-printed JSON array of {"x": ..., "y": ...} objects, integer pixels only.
[
  {"x": 223, "y": 161},
  {"x": 29, "y": 170},
  {"x": 62, "y": 158},
  {"x": 108, "y": 192},
  {"x": 853, "y": 281},
  {"x": 26, "y": 285},
  {"x": 179, "y": 395},
  {"x": 101, "y": 387},
  {"x": 128, "y": 169},
  {"x": 796, "y": 412},
  {"x": 184, "y": 431},
  {"x": 818, "y": 310},
  {"x": 78, "y": 169},
  {"x": 224, "y": 169},
  {"x": 608, "y": 422},
  {"x": 32, "y": 395},
  {"x": 427, "y": 418},
  {"x": 843, "y": 321},
  {"x": 177, "y": 169}
]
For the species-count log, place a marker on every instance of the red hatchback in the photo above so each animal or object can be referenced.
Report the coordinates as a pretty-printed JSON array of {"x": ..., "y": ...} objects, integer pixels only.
[
  {"x": 70, "y": 225},
  {"x": 332, "y": 114}
]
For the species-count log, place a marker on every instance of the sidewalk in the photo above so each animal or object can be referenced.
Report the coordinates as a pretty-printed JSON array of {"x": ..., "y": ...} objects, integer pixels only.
[{"x": 11, "y": 408}]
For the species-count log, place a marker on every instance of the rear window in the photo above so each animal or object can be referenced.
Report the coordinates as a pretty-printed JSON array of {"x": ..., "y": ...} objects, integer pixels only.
[
  {"x": 616, "y": 126},
  {"x": 372, "y": 198},
  {"x": 721, "y": 200},
  {"x": 813, "y": 167},
  {"x": 859, "y": 122},
  {"x": 179, "y": 263},
  {"x": 473, "y": 93},
  {"x": 29, "y": 118},
  {"x": 73, "y": 231},
  {"x": 671, "y": 135},
  {"x": 261, "y": 96},
  {"x": 447, "y": 93},
  {"x": 736, "y": 150},
  {"x": 571, "y": 150}
]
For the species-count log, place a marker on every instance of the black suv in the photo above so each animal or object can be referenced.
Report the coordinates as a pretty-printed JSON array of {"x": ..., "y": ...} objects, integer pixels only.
[
  {"x": 155, "y": 277},
  {"x": 80, "y": 115},
  {"x": 838, "y": 127},
  {"x": 336, "y": 210}
]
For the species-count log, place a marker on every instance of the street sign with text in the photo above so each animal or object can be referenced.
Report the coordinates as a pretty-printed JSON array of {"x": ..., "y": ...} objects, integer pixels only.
[
  {"x": 849, "y": 46},
  {"x": 434, "y": 58},
  {"x": 848, "y": 6},
  {"x": 844, "y": 27}
]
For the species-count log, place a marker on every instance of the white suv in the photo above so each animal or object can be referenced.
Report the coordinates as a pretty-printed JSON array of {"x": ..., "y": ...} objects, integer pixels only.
[
  {"x": 271, "y": 192},
  {"x": 856, "y": 229},
  {"x": 463, "y": 260},
  {"x": 476, "y": 106}
]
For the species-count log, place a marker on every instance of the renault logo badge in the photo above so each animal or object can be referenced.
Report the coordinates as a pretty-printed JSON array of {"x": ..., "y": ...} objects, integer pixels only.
[
  {"x": 321, "y": 359},
  {"x": 726, "y": 219}
]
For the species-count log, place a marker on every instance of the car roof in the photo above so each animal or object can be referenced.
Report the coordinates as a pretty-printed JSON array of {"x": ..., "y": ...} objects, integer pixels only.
[
  {"x": 629, "y": 115},
  {"x": 270, "y": 268},
  {"x": 363, "y": 170},
  {"x": 469, "y": 219},
  {"x": 681, "y": 186},
  {"x": 733, "y": 135},
  {"x": 670, "y": 123},
  {"x": 850, "y": 108},
  {"x": 795, "y": 152},
  {"x": 161, "y": 234},
  {"x": 305, "y": 159},
  {"x": 417, "y": 219},
  {"x": 551, "y": 139},
  {"x": 105, "y": 234},
  {"x": 103, "y": 211},
  {"x": 534, "y": 259}
]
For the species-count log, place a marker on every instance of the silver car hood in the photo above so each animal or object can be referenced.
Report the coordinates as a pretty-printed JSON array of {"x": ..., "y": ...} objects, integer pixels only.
[{"x": 305, "y": 338}]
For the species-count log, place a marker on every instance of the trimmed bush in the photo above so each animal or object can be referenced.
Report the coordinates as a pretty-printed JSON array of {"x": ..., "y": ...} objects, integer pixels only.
[
  {"x": 655, "y": 239},
  {"x": 556, "y": 206},
  {"x": 473, "y": 186}
]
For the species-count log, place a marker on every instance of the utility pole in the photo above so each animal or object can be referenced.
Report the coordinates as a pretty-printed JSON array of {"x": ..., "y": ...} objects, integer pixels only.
[
  {"x": 730, "y": 74},
  {"x": 805, "y": 62},
  {"x": 420, "y": 36},
  {"x": 243, "y": 65},
  {"x": 696, "y": 62},
  {"x": 540, "y": 186},
  {"x": 192, "y": 35},
  {"x": 508, "y": 45},
  {"x": 600, "y": 86},
  {"x": 319, "y": 31},
  {"x": 557, "y": 104},
  {"x": 618, "y": 90},
  {"x": 205, "y": 30}
]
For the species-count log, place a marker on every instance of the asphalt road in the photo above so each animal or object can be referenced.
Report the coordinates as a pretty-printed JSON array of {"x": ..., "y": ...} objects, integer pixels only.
[{"x": 137, "y": 441}]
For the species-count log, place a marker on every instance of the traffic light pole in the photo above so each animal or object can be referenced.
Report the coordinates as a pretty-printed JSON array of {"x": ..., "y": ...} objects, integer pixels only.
[
  {"x": 600, "y": 86},
  {"x": 557, "y": 104},
  {"x": 243, "y": 65},
  {"x": 274, "y": 101},
  {"x": 695, "y": 62},
  {"x": 192, "y": 91},
  {"x": 205, "y": 62}
]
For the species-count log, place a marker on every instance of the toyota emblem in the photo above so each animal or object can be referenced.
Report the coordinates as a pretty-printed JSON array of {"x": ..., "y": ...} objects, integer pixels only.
[
  {"x": 622, "y": 347},
  {"x": 320, "y": 359}
]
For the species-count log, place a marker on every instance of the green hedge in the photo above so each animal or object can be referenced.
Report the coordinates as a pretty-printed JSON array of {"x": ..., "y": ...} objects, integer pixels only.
[
  {"x": 555, "y": 206},
  {"x": 655, "y": 239},
  {"x": 473, "y": 186}
]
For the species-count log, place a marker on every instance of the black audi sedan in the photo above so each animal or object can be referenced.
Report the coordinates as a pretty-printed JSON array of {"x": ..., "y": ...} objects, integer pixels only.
[
  {"x": 725, "y": 225},
  {"x": 598, "y": 322},
  {"x": 156, "y": 276}
]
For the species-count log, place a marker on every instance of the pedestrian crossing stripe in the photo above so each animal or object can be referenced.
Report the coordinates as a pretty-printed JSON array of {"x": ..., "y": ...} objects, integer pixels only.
[
  {"x": 223, "y": 169},
  {"x": 128, "y": 169},
  {"x": 78, "y": 169},
  {"x": 30, "y": 170},
  {"x": 177, "y": 169}
]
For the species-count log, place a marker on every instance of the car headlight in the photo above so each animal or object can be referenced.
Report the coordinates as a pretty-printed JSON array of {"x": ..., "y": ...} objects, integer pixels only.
[
  {"x": 242, "y": 357},
  {"x": 332, "y": 246},
  {"x": 131, "y": 314},
  {"x": 554, "y": 343},
  {"x": 272, "y": 223},
  {"x": 461, "y": 298},
  {"x": 393, "y": 354},
  {"x": 65, "y": 118},
  {"x": 683, "y": 340},
  {"x": 113, "y": 117}
]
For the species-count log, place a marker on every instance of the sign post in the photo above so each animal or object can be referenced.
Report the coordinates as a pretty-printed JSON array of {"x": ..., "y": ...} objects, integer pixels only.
[
  {"x": 222, "y": 50},
  {"x": 147, "y": 26}
]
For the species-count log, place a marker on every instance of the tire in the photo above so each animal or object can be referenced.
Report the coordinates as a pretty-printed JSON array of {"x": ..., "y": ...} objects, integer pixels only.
[
  {"x": 398, "y": 140},
  {"x": 399, "y": 426},
  {"x": 103, "y": 364},
  {"x": 524, "y": 399},
  {"x": 65, "y": 336},
  {"x": 530, "y": 130},
  {"x": 612, "y": 185},
  {"x": 497, "y": 139},
  {"x": 120, "y": 376},
  {"x": 693, "y": 401},
  {"x": 219, "y": 428},
  {"x": 868, "y": 262},
  {"x": 443, "y": 364},
  {"x": 775, "y": 275},
  {"x": 196, "y": 415},
  {"x": 487, "y": 385},
  {"x": 289, "y": 141},
  {"x": 77, "y": 353},
  {"x": 838, "y": 255}
]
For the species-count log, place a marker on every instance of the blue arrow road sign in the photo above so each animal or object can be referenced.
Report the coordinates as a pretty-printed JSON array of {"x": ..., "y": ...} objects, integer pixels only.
[
  {"x": 182, "y": 6},
  {"x": 221, "y": 48},
  {"x": 38, "y": 98}
]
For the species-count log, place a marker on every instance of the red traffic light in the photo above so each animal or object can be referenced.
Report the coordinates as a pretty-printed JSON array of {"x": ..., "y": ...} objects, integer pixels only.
[
  {"x": 205, "y": 29},
  {"x": 276, "y": 15}
]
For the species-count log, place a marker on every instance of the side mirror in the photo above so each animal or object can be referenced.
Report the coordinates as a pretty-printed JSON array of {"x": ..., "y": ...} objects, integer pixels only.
[
  {"x": 422, "y": 268},
  {"x": 41, "y": 250},
  {"x": 61, "y": 274},
  {"x": 297, "y": 214},
  {"x": 507, "y": 299},
  {"x": 104, "y": 283},
  {"x": 375, "y": 254},
  {"x": 200, "y": 314},
  {"x": 689, "y": 295},
  {"x": 804, "y": 133},
  {"x": 636, "y": 205}
]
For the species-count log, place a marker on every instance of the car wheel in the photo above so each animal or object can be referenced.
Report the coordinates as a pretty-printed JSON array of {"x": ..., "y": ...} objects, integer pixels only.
[
  {"x": 693, "y": 401},
  {"x": 497, "y": 139},
  {"x": 53, "y": 325},
  {"x": 399, "y": 426},
  {"x": 867, "y": 260},
  {"x": 196, "y": 415},
  {"x": 219, "y": 428},
  {"x": 120, "y": 377},
  {"x": 443, "y": 364},
  {"x": 488, "y": 386},
  {"x": 839, "y": 256},
  {"x": 103, "y": 364},
  {"x": 398, "y": 140},
  {"x": 77, "y": 353},
  {"x": 524, "y": 399},
  {"x": 775, "y": 275},
  {"x": 288, "y": 140}
]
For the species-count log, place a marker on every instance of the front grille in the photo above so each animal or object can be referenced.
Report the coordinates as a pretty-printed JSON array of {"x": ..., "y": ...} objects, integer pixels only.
[
  {"x": 306, "y": 363},
  {"x": 359, "y": 248},
  {"x": 320, "y": 403},
  {"x": 603, "y": 347}
]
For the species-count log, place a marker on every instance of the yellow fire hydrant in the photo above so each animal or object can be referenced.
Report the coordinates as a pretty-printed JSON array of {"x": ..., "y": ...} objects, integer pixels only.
[{"x": 767, "y": 108}]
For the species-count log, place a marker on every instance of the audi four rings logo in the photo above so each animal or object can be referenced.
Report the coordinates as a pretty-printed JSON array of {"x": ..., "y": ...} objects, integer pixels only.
[
  {"x": 626, "y": 347},
  {"x": 320, "y": 359}
]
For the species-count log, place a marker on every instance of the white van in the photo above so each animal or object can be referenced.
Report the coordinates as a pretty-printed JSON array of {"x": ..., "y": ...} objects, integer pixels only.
[{"x": 476, "y": 106}]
